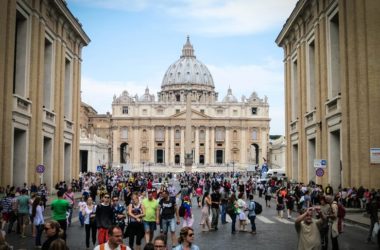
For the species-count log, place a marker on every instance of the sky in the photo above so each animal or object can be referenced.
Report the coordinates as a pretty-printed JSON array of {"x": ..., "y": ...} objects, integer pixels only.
[{"x": 133, "y": 43}]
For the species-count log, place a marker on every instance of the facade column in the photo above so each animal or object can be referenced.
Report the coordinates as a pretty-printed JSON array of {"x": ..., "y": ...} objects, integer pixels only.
[
  {"x": 152, "y": 149},
  {"x": 137, "y": 146},
  {"x": 212, "y": 146},
  {"x": 167, "y": 160},
  {"x": 227, "y": 158},
  {"x": 196, "y": 142},
  {"x": 207, "y": 146},
  {"x": 182, "y": 160},
  {"x": 243, "y": 146},
  {"x": 171, "y": 145}
]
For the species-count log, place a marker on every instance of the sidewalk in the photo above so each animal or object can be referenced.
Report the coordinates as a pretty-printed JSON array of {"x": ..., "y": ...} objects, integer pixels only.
[{"x": 358, "y": 217}]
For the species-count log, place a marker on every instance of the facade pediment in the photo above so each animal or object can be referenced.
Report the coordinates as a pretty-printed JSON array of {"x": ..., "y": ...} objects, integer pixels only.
[{"x": 194, "y": 115}]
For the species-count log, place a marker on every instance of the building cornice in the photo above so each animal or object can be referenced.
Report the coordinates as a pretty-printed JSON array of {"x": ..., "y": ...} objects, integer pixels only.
[{"x": 290, "y": 21}]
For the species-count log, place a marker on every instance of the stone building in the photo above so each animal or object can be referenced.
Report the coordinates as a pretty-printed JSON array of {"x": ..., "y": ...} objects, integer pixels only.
[
  {"x": 94, "y": 144},
  {"x": 332, "y": 83},
  {"x": 277, "y": 152},
  {"x": 148, "y": 131},
  {"x": 41, "y": 45}
]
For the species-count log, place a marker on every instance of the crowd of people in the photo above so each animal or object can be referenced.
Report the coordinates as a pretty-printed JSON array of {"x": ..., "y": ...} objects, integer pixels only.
[{"x": 147, "y": 208}]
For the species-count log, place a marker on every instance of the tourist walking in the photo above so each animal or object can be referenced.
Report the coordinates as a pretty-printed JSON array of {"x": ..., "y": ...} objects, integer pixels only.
[
  {"x": 186, "y": 240},
  {"x": 59, "y": 207},
  {"x": 215, "y": 203},
  {"x": 89, "y": 213},
  {"x": 104, "y": 218},
  {"x": 23, "y": 211},
  {"x": 169, "y": 215},
  {"x": 53, "y": 231},
  {"x": 152, "y": 216},
  {"x": 252, "y": 214},
  {"x": 38, "y": 219},
  {"x": 135, "y": 226},
  {"x": 206, "y": 203},
  {"x": 115, "y": 240}
]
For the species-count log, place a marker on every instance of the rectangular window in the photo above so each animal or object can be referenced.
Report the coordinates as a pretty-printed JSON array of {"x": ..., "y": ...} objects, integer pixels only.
[
  {"x": 125, "y": 110},
  {"x": 333, "y": 55},
  {"x": 202, "y": 111},
  {"x": 219, "y": 112},
  {"x": 310, "y": 75},
  {"x": 177, "y": 111},
  {"x": 254, "y": 111},
  {"x": 48, "y": 74},
  {"x": 177, "y": 144},
  {"x": 21, "y": 55},
  {"x": 68, "y": 89},
  {"x": 254, "y": 135},
  {"x": 201, "y": 144},
  {"x": 145, "y": 112},
  {"x": 294, "y": 90}
]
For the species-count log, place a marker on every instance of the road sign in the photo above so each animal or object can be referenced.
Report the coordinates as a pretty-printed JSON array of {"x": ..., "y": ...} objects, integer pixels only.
[
  {"x": 40, "y": 169},
  {"x": 319, "y": 172},
  {"x": 320, "y": 163}
]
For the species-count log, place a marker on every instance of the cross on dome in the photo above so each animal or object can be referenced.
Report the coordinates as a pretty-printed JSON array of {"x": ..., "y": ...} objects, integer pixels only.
[{"x": 188, "y": 50}]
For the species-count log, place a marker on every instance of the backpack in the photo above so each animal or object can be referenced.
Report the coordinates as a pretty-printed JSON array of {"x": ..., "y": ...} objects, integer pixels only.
[
  {"x": 341, "y": 215},
  {"x": 258, "y": 208},
  {"x": 341, "y": 211},
  {"x": 230, "y": 209},
  {"x": 182, "y": 210}
]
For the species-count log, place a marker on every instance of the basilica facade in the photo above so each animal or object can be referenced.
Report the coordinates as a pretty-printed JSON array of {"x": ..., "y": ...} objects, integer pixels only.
[{"x": 144, "y": 131}]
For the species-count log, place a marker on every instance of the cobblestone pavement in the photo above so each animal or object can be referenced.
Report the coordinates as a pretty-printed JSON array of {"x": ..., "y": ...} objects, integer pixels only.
[{"x": 272, "y": 233}]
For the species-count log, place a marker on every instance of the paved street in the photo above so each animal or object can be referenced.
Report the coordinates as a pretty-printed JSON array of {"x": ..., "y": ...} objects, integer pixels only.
[{"x": 272, "y": 233}]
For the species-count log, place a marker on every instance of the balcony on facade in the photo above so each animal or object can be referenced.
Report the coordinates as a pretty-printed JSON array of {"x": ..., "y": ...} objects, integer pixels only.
[
  {"x": 333, "y": 106},
  {"x": 48, "y": 117},
  {"x": 22, "y": 105},
  {"x": 310, "y": 118},
  {"x": 69, "y": 126},
  {"x": 293, "y": 126}
]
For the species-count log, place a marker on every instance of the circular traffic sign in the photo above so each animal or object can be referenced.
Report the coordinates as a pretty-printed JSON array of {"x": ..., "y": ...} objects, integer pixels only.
[
  {"x": 319, "y": 172},
  {"x": 40, "y": 169}
]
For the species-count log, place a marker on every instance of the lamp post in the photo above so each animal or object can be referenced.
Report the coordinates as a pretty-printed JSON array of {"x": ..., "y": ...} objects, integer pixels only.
[
  {"x": 143, "y": 166},
  {"x": 233, "y": 167}
]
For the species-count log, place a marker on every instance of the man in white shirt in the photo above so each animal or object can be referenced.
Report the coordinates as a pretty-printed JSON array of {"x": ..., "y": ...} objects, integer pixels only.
[{"x": 115, "y": 240}]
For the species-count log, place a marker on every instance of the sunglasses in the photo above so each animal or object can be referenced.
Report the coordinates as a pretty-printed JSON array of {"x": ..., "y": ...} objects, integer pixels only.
[
  {"x": 159, "y": 246},
  {"x": 190, "y": 235},
  {"x": 46, "y": 228},
  {"x": 107, "y": 197},
  {"x": 115, "y": 200}
]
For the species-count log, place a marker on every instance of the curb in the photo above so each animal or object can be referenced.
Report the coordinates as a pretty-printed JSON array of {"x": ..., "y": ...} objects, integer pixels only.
[{"x": 357, "y": 223}]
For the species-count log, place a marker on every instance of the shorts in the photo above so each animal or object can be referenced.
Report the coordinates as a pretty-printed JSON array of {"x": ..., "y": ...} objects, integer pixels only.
[
  {"x": 23, "y": 219},
  {"x": 6, "y": 216},
  {"x": 168, "y": 223},
  {"x": 150, "y": 226}
]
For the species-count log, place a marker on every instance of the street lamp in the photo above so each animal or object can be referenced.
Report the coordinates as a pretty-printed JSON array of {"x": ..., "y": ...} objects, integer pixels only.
[
  {"x": 233, "y": 167},
  {"x": 143, "y": 166}
]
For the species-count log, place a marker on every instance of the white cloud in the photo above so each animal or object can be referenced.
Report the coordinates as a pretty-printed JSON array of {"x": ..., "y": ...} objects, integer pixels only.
[
  {"x": 210, "y": 17},
  {"x": 265, "y": 80},
  {"x": 99, "y": 94}
]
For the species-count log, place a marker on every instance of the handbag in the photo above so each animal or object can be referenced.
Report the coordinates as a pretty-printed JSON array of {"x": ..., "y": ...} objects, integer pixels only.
[{"x": 375, "y": 230}]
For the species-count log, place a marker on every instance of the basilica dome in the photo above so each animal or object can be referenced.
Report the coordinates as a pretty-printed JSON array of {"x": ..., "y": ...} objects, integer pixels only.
[{"x": 187, "y": 70}]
